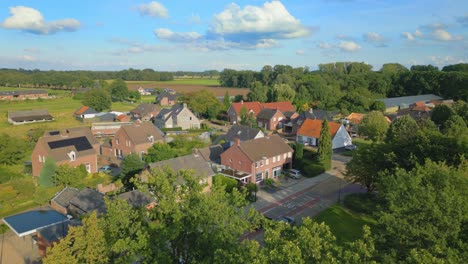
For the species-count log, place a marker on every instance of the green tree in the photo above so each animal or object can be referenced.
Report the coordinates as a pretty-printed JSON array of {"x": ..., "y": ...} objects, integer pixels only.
[
  {"x": 158, "y": 152},
  {"x": 423, "y": 209},
  {"x": 228, "y": 184},
  {"x": 374, "y": 125},
  {"x": 258, "y": 92},
  {"x": 325, "y": 151},
  {"x": 119, "y": 90},
  {"x": 440, "y": 114},
  {"x": 131, "y": 165},
  {"x": 97, "y": 99},
  {"x": 227, "y": 101},
  {"x": 298, "y": 153},
  {"x": 246, "y": 118},
  {"x": 204, "y": 103},
  {"x": 12, "y": 151},
  {"x": 66, "y": 175},
  {"x": 455, "y": 127},
  {"x": 378, "y": 106},
  {"x": 47, "y": 175},
  {"x": 283, "y": 92},
  {"x": 461, "y": 108},
  {"x": 402, "y": 129}
]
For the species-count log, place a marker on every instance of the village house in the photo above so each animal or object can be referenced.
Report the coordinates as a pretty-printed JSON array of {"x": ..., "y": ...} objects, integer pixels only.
[
  {"x": 144, "y": 91},
  {"x": 254, "y": 108},
  {"x": 87, "y": 201},
  {"x": 73, "y": 146},
  {"x": 309, "y": 133},
  {"x": 270, "y": 119},
  {"x": 85, "y": 112},
  {"x": 259, "y": 159},
  {"x": 193, "y": 162},
  {"x": 167, "y": 98},
  {"x": 241, "y": 132},
  {"x": 177, "y": 116},
  {"x": 23, "y": 94},
  {"x": 136, "y": 138},
  {"x": 392, "y": 105},
  {"x": 61, "y": 201},
  {"x": 30, "y": 116},
  {"x": 145, "y": 112}
]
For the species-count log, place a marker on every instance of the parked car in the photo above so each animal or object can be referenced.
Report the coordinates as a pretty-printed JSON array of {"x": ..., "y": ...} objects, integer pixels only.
[
  {"x": 105, "y": 169},
  {"x": 295, "y": 174},
  {"x": 287, "y": 219},
  {"x": 351, "y": 147}
]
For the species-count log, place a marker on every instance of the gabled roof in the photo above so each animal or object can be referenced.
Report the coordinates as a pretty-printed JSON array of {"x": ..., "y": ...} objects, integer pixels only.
[
  {"x": 170, "y": 96},
  {"x": 85, "y": 110},
  {"x": 166, "y": 113},
  {"x": 144, "y": 109},
  {"x": 64, "y": 196},
  {"x": 254, "y": 107},
  {"x": 415, "y": 114},
  {"x": 29, "y": 115},
  {"x": 136, "y": 198},
  {"x": 408, "y": 100},
  {"x": 59, "y": 143},
  {"x": 265, "y": 147},
  {"x": 281, "y": 106},
  {"x": 188, "y": 162},
  {"x": 140, "y": 133},
  {"x": 106, "y": 117},
  {"x": 268, "y": 113},
  {"x": 241, "y": 132},
  {"x": 311, "y": 128},
  {"x": 355, "y": 118},
  {"x": 89, "y": 200},
  {"x": 123, "y": 118},
  {"x": 211, "y": 153},
  {"x": 315, "y": 114}
]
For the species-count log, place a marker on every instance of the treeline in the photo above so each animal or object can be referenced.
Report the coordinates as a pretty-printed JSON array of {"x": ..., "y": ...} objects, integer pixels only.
[
  {"x": 348, "y": 86},
  {"x": 74, "y": 79}
]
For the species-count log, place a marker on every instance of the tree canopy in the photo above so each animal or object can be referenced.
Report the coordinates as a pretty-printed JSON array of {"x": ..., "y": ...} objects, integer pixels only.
[
  {"x": 98, "y": 99},
  {"x": 374, "y": 126}
]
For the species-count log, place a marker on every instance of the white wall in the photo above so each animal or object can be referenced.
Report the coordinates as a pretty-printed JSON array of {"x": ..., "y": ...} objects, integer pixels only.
[{"x": 341, "y": 138}]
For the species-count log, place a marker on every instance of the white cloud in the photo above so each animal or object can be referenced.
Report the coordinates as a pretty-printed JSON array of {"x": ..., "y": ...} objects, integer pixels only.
[
  {"x": 349, "y": 46},
  {"x": 27, "y": 58},
  {"x": 412, "y": 36},
  {"x": 325, "y": 45},
  {"x": 440, "y": 34},
  {"x": 373, "y": 37},
  {"x": 447, "y": 60},
  {"x": 271, "y": 20},
  {"x": 167, "y": 34},
  {"x": 153, "y": 9},
  {"x": 418, "y": 33},
  {"x": 31, "y": 20},
  {"x": 266, "y": 43},
  {"x": 194, "y": 19},
  {"x": 300, "y": 52}
]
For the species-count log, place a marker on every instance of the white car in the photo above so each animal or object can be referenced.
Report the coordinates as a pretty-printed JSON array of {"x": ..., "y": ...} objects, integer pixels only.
[
  {"x": 105, "y": 169},
  {"x": 295, "y": 174}
]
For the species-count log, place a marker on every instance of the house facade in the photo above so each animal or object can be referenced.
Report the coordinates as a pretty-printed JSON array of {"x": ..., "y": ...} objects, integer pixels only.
[
  {"x": 136, "y": 138},
  {"x": 254, "y": 108},
  {"x": 145, "y": 112},
  {"x": 309, "y": 134},
  {"x": 85, "y": 112},
  {"x": 74, "y": 146},
  {"x": 177, "y": 116},
  {"x": 260, "y": 159},
  {"x": 23, "y": 94},
  {"x": 270, "y": 119},
  {"x": 167, "y": 98}
]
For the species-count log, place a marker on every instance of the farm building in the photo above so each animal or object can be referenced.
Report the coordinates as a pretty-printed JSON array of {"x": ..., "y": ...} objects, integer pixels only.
[
  {"x": 396, "y": 103},
  {"x": 23, "y": 94},
  {"x": 29, "y": 116}
]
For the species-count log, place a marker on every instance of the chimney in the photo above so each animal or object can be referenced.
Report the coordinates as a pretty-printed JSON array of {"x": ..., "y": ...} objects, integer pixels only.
[
  {"x": 237, "y": 141},
  {"x": 310, "y": 110},
  {"x": 185, "y": 105},
  {"x": 242, "y": 102}
]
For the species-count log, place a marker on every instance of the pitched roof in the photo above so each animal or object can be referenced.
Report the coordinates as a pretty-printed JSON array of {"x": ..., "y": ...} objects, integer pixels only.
[
  {"x": 405, "y": 101},
  {"x": 268, "y": 146},
  {"x": 59, "y": 143},
  {"x": 141, "y": 133},
  {"x": 89, "y": 200},
  {"x": 136, "y": 198},
  {"x": 355, "y": 118},
  {"x": 188, "y": 162},
  {"x": 415, "y": 114},
  {"x": 85, "y": 110},
  {"x": 211, "y": 153},
  {"x": 311, "y": 128},
  {"x": 268, "y": 113},
  {"x": 255, "y": 107},
  {"x": 145, "y": 109},
  {"x": 58, "y": 231},
  {"x": 281, "y": 106},
  {"x": 106, "y": 117},
  {"x": 123, "y": 118},
  {"x": 170, "y": 96},
  {"x": 29, "y": 115},
  {"x": 241, "y": 132},
  {"x": 64, "y": 196}
]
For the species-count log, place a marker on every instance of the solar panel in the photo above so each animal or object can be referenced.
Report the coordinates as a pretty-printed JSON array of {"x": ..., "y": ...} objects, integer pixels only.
[
  {"x": 80, "y": 143},
  {"x": 53, "y": 133}
]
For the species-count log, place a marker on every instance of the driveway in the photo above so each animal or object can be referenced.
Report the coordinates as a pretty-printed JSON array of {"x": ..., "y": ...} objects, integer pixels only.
[{"x": 14, "y": 249}]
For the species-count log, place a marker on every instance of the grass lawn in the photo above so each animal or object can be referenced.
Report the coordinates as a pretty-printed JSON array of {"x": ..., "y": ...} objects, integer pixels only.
[{"x": 344, "y": 224}]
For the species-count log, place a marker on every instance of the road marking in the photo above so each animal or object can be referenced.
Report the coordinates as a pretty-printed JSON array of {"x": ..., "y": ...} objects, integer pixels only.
[{"x": 285, "y": 199}]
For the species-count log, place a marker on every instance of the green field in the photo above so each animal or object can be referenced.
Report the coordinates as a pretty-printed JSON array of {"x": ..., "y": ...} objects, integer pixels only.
[
  {"x": 345, "y": 225},
  {"x": 184, "y": 81}
]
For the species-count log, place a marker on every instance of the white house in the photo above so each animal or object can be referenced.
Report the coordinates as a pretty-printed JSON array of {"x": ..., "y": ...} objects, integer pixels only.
[{"x": 309, "y": 133}]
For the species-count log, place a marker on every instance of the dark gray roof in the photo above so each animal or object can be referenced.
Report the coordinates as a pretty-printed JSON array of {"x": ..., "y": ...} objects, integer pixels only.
[
  {"x": 29, "y": 115},
  {"x": 145, "y": 108},
  {"x": 58, "y": 231},
  {"x": 188, "y": 162},
  {"x": 106, "y": 117},
  {"x": 21, "y": 92},
  {"x": 406, "y": 101},
  {"x": 167, "y": 113},
  {"x": 211, "y": 153},
  {"x": 316, "y": 114},
  {"x": 136, "y": 198},
  {"x": 289, "y": 114},
  {"x": 267, "y": 113},
  {"x": 241, "y": 132},
  {"x": 415, "y": 114},
  {"x": 64, "y": 196},
  {"x": 89, "y": 200},
  {"x": 171, "y": 96}
]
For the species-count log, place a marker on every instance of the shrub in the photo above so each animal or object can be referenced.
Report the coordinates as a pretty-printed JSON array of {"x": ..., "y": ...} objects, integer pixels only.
[
  {"x": 228, "y": 183},
  {"x": 310, "y": 169},
  {"x": 269, "y": 182}
]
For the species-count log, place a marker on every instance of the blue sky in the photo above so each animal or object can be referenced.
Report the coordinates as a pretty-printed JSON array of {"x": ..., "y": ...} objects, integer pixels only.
[{"x": 216, "y": 34}]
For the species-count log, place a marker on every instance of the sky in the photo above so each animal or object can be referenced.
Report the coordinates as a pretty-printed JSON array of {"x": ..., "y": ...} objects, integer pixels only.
[{"x": 198, "y": 35}]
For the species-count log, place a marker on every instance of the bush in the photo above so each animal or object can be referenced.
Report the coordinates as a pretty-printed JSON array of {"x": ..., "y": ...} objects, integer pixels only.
[
  {"x": 361, "y": 203},
  {"x": 228, "y": 183},
  {"x": 269, "y": 182},
  {"x": 164, "y": 129},
  {"x": 311, "y": 169}
]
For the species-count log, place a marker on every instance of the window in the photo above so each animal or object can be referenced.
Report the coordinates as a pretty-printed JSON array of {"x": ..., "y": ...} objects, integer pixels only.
[
  {"x": 72, "y": 155},
  {"x": 230, "y": 160},
  {"x": 274, "y": 119},
  {"x": 116, "y": 141},
  {"x": 151, "y": 139},
  {"x": 280, "y": 118},
  {"x": 259, "y": 177},
  {"x": 261, "y": 163},
  {"x": 256, "y": 164},
  {"x": 267, "y": 161},
  {"x": 88, "y": 168},
  {"x": 278, "y": 157},
  {"x": 190, "y": 118},
  {"x": 289, "y": 154},
  {"x": 266, "y": 174},
  {"x": 276, "y": 171},
  {"x": 285, "y": 155},
  {"x": 40, "y": 159},
  {"x": 274, "y": 159}
]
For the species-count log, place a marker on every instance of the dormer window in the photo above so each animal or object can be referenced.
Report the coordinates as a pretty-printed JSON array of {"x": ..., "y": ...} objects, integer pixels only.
[
  {"x": 72, "y": 155},
  {"x": 151, "y": 139}
]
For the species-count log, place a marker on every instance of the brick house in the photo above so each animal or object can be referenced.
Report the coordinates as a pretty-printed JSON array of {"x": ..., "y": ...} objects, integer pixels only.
[
  {"x": 135, "y": 138},
  {"x": 254, "y": 108},
  {"x": 177, "y": 116},
  {"x": 262, "y": 158},
  {"x": 270, "y": 119},
  {"x": 167, "y": 98},
  {"x": 23, "y": 94},
  {"x": 241, "y": 132},
  {"x": 145, "y": 111},
  {"x": 73, "y": 146},
  {"x": 61, "y": 201}
]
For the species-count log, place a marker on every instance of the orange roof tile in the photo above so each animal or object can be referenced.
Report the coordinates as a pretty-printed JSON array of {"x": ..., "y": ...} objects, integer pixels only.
[
  {"x": 421, "y": 108},
  {"x": 81, "y": 110},
  {"x": 255, "y": 107},
  {"x": 281, "y": 106},
  {"x": 419, "y": 104},
  {"x": 355, "y": 118},
  {"x": 312, "y": 127}
]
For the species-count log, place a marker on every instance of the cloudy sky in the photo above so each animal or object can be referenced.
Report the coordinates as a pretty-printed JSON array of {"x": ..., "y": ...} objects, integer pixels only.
[{"x": 201, "y": 35}]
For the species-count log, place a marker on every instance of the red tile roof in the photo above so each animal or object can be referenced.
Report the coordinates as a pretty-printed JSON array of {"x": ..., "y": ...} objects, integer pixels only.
[
  {"x": 123, "y": 118},
  {"x": 355, "y": 118},
  {"x": 81, "y": 110},
  {"x": 256, "y": 107},
  {"x": 421, "y": 108},
  {"x": 311, "y": 128},
  {"x": 282, "y": 106}
]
